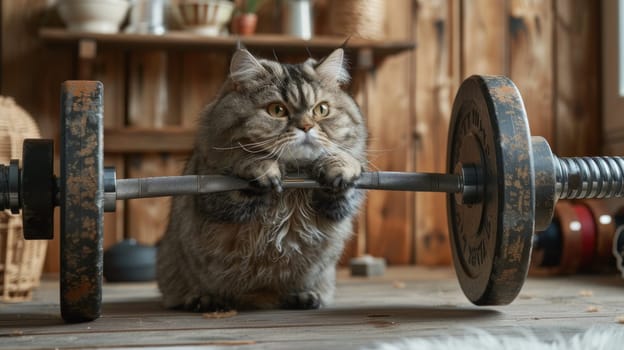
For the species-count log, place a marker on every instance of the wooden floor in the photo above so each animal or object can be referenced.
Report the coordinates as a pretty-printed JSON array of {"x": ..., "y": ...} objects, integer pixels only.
[{"x": 405, "y": 302}]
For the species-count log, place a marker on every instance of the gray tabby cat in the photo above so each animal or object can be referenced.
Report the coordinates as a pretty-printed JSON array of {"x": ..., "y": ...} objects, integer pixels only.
[{"x": 267, "y": 248}]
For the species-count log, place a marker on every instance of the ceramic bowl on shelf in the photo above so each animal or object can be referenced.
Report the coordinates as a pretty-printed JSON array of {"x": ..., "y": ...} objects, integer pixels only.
[
  {"x": 207, "y": 17},
  {"x": 96, "y": 16}
]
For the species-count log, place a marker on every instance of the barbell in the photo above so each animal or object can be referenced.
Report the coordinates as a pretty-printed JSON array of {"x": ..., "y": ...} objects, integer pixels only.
[{"x": 502, "y": 185}]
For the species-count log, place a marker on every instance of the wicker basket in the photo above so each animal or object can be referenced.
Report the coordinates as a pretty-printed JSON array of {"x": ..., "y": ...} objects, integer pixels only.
[
  {"x": 21, "y": 261},
  {"x": 358, "y": 18}
]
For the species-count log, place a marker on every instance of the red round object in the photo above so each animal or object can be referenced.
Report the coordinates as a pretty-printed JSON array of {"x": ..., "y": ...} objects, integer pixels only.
[
  {"x": 605, "y": 229},
  {"x": 588, "y": 234},
  {"x": 571, "y": 241}
]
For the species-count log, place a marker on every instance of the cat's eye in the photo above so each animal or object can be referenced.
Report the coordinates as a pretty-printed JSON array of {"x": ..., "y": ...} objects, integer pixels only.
[
  {"x": 277, "y": 110},
  {"x": 321, "y": 109}
]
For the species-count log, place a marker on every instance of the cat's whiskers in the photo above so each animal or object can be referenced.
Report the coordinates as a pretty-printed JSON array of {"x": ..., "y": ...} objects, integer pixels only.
[
  {"x": 374, "y": 140},
  {"x": 244, "y": 148},
  {"x": 372, "y": 166},
  {"x": 292, "y": 156},
  {"x": 285, "y": 146},
  {"x": 274, "y": 151},
  {"x": 270, "y": 155},
  {"x": 260, "y": 145},
  {"x": 331, "y": 145},
  {"x": 252, "y": 147}
]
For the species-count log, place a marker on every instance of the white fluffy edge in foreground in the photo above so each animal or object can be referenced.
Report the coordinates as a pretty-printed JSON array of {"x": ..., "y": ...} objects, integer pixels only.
[{"x": 594, "y": 338}]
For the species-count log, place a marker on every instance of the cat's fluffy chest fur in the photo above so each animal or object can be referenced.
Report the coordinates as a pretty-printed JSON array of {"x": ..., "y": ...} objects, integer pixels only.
[
  {"x": 272, "y": 249},
  {"x": 267, "y": 247}
]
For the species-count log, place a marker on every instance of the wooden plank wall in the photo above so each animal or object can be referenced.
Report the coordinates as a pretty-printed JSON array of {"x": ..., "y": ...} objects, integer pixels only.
[
  {"x": 435, "y": 83},
  {"x": 549, "y": 48},
  {"x": 389, "y": 214},
  {"x": 612, "y": 97},
  {"x": 578, "y": 83}
]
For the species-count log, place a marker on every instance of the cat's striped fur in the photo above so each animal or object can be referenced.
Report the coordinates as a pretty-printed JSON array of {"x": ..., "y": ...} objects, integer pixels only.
[{"x": 267, "y": 248}]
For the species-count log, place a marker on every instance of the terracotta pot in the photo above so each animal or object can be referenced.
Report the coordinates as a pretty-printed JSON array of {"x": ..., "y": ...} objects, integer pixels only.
[{"x": 245, "y": 24}]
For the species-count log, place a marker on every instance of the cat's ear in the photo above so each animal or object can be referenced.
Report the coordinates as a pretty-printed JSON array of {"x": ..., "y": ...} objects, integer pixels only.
[
  {"x": 333, "y": 68},
  {"x": 244, "y": 66}
]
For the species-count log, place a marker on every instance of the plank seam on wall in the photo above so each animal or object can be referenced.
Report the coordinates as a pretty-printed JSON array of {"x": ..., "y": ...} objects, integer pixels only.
[
  {"x": 506, "y": 40},
  {"x": 433, "y": 87},
  {"x": 411, "y": 120},
  {"x": 555, "y": 92},
  {"x": 578, "y": 82},
  {"x": 460, "y": 37}
]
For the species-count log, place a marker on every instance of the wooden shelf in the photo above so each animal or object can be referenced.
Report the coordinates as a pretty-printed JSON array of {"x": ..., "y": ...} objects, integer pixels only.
[
  {"x": 146, "y": 140},
  {"x": 365, "y": 54},
  {"x": 181, "y": 40}
]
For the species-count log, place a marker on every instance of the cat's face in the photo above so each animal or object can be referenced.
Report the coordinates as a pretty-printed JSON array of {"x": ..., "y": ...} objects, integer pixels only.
[{"x": 294, "y": 113}]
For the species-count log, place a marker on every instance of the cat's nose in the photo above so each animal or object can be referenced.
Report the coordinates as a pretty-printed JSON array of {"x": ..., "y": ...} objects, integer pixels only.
[{"x": 305, "y": 126}]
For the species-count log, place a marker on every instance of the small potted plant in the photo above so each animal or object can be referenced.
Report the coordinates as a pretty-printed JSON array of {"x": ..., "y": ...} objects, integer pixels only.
[{"x": 246, "y": 19}]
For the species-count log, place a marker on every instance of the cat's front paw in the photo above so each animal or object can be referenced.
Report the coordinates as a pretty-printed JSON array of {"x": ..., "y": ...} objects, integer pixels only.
[
  {"x": 263, "y": 174},
  {"x": 302, "y": 300},
  {"x": 206, "y": 303},
  {"x": 338, "y": 173}
]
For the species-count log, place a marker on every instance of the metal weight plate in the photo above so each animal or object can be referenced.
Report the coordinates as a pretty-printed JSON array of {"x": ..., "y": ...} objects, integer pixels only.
[
  {"x": 81, "y": 200},
  {"x": 38, "y": 189},
  {"x": 491, "y": 239}
]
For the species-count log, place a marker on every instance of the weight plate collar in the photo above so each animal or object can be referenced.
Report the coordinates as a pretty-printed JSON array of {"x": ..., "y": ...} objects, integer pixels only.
[{"x": 38, "y": 189}]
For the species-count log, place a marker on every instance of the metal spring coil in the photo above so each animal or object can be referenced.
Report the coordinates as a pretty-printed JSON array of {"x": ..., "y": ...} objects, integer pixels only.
[{"x": 589, "y": 177}]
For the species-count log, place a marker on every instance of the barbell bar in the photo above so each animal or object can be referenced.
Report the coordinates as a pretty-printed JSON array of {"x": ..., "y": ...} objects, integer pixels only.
[
  {"x": 198, "y": 184},
  {"x": 502, "y": 185}
]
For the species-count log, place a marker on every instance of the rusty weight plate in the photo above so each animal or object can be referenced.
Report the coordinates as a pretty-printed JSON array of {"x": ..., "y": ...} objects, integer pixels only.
[
  {"x": 38, "y": 189},
  {"x": 81, "y": 200},
  {"x": 491, "y": 240}
]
